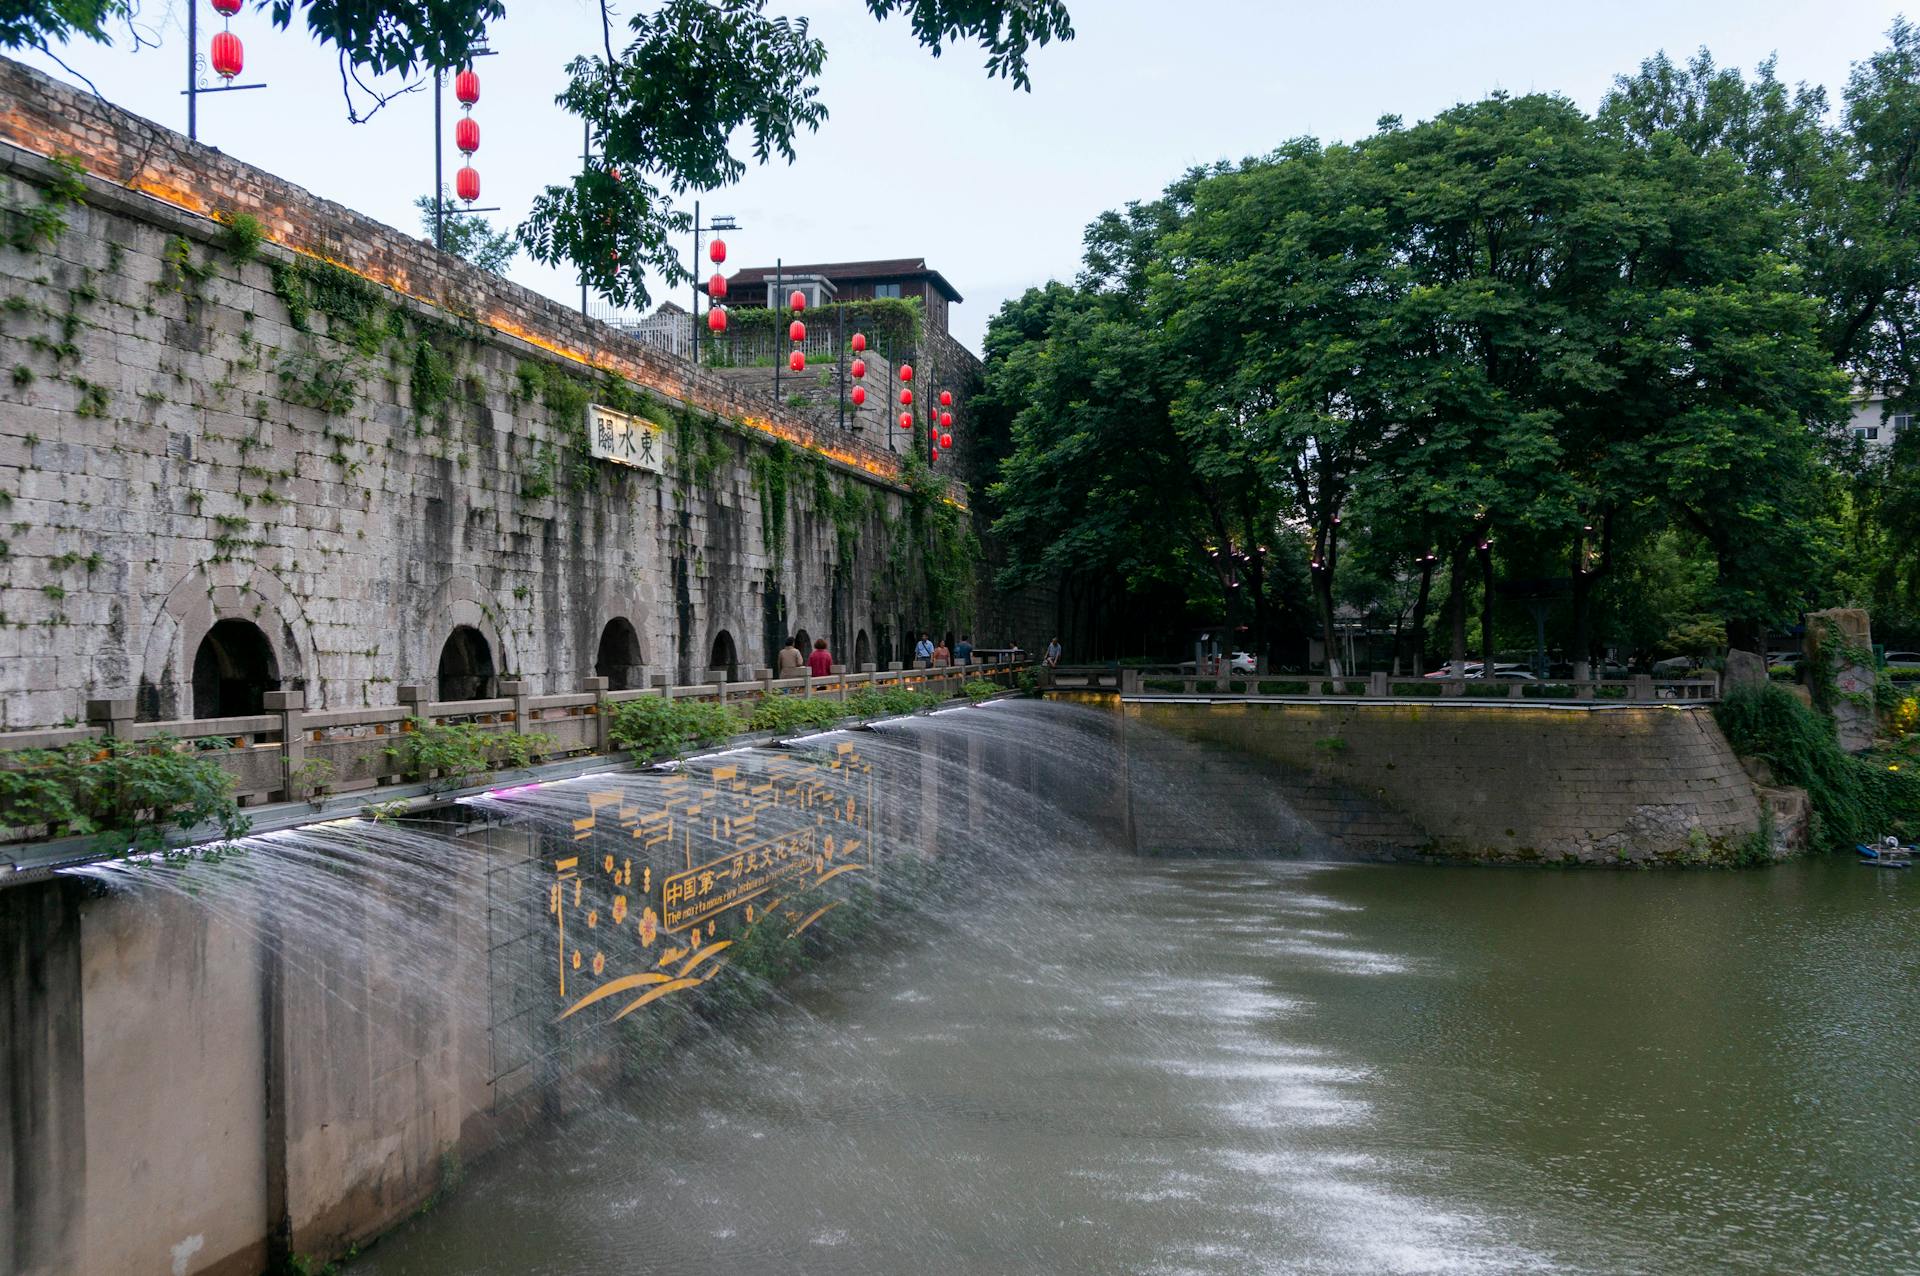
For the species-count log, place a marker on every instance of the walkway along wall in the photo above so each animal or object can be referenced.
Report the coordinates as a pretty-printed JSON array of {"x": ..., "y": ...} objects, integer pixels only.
[
  {"x": 350, "y": 446},
  {"x": 1485, "y": 783}
]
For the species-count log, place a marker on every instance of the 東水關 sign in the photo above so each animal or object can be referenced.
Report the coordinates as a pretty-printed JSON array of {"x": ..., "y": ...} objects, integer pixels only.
[{"x": 625, "y": 439}]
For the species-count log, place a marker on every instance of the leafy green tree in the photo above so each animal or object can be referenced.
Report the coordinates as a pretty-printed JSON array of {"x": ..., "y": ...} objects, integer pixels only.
[
  {"x": 1268, "y": 294},
  {"x": 467, "y": 236}
]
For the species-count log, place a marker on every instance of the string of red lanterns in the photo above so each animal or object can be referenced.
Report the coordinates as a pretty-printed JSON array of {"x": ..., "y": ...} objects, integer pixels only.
[
  {"x": 859, "y": 368},
  {"x": 797, "y": 333},
  {"x": 717, "y": 288},
  {"x": 466, "y": 134},
  {"x": 227, "y": 55}
]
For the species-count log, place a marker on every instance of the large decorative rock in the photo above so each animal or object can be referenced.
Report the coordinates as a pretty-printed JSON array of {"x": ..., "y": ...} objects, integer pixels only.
[
  {"x": 1745, "y": 669},
  {"x": 1846, "y": 636}
]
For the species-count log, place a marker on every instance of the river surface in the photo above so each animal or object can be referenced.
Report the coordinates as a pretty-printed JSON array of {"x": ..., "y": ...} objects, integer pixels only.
[{"x": 1132, "y": 1065}]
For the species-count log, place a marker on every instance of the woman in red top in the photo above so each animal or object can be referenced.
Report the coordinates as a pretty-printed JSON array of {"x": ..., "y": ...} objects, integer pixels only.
[{"x": 820, "y": 662}]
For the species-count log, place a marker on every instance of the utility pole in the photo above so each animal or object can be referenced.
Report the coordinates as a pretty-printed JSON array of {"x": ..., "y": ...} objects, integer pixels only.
[
  {"x": 439, "y": 178},
  {"x": 775, "y": 305}
]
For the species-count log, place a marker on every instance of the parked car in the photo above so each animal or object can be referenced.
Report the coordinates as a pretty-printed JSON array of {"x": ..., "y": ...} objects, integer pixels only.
[
  {"x": 1903, "y": 660},
  {"x": 1242, "y": 662}
]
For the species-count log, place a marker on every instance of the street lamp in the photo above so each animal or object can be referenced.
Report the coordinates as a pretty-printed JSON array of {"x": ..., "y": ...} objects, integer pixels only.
[
  {"x": 229, "y": 57},
  {"x": 719, "y": 254}
]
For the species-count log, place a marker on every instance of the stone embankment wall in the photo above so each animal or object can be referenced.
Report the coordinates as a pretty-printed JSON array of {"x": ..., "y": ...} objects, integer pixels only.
[
  {"x": 1616, "y": 785},
  {"x": 358, "y": 444}
]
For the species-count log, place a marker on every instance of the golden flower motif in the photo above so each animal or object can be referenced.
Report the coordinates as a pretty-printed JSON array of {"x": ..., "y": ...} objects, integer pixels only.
[
  {"x": 619, "y": 909},
  {"x": 649, "y": 926}
]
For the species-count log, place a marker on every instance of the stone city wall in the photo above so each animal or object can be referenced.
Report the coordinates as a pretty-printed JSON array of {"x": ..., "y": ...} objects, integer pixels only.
[{"x": 358, "y": 445}]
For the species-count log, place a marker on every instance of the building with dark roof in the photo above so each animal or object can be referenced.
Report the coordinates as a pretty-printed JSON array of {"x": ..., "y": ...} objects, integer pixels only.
[{"x": 823, "y": 282}]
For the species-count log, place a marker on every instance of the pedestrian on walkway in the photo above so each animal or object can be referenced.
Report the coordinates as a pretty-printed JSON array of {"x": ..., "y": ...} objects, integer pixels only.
[
  {"x": 942, "y": 658},
  {"x": 789, "y": 661},
  {"x": 1053, "y": 654},
  {"x": 963, "y": 654},
  {"x": 820, "y": 663},
  {"x": 923, "y": 650}
]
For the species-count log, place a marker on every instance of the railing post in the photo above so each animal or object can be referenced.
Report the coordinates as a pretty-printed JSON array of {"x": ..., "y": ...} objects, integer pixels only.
[
  {"x": 518, "y": 690},
  {"x": 115, "y": 717},
  {"x": 293, "y": 740},
  {"x": 1642, "y": 686},
  {"x": 413, "y": 695},
  {"x": 806, "y": 672},
  {"x": 602, "y": 712},
  {"x": 1129, "y": 682},
  {"x": 1377, "y": 685}
]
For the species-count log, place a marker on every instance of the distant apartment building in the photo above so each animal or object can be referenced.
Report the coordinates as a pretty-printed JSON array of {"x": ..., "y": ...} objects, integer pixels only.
[
  {"x": 1876, "y": 426},
  {"x": 825, "y": 282}
]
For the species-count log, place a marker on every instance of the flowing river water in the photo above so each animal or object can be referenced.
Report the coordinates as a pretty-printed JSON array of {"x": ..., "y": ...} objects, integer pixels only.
[{"x": 1105, "y": 1063}]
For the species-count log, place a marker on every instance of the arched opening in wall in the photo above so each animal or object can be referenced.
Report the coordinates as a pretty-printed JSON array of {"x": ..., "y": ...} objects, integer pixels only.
[
  {"x": 466, "y": 666},
  {"x": 618, "y": 660},
  {"x": 233, "y": 670},
  {"x": 862, "y": 651},
  {"x": 724, "y": 657}
]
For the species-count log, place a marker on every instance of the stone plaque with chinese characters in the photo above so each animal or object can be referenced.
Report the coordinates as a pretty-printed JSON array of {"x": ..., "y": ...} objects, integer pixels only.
[{"x": 626, "y": 439}]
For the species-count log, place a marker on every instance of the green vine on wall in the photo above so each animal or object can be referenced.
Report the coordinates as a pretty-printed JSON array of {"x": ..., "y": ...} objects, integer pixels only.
[{"x": 32, "y": 227}]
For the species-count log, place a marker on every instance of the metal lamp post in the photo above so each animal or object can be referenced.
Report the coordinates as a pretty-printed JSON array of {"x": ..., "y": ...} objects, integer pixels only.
[{"x": 719, "y": 223}]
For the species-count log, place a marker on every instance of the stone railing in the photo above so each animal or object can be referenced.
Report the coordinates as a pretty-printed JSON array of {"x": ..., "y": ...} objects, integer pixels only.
[
  {"x": 291, "y": 754},
  {"x": 1172, "y": 680}
]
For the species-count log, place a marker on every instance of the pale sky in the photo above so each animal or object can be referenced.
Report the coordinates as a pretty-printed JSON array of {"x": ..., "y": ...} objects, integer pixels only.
[{"x": 925, "y": 157}]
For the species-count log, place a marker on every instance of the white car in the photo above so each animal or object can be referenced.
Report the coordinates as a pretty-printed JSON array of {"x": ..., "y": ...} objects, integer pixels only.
[{"x": 1242, "y": 662}]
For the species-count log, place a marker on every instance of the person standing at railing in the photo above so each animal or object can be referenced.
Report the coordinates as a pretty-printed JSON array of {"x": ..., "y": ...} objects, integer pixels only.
[
  {"x": 789, "y": 661},
  {"x": 942, "y": 658},
  {"x": 963, "y": 651},
  {"x": 820, "y": 663},
  {"x": 923, "y": 650}
]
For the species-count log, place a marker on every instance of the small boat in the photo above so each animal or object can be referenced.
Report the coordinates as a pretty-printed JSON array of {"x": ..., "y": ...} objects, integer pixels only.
[{"x": 1887, "y": 854}]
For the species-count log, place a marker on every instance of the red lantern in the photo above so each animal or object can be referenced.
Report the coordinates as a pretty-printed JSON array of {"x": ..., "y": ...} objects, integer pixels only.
[
  {"x": 936, "y": 454},
  {"x": 466, "y": 184},
  {"x": 859, "y": 342},
  {"x": 946, "y": 440},
  {"x": 946, "y": 398},
  {"x": 226, "y": 8},
  {"x": 798, "y": 301},
  {"x": 859, "y": 369},
  {"x": 906, "y": 372},
  {"x": 906, "y": 420},
  {"x": 228, "y": 55},
  {"x": 717, "y": 286},
  {"x": 859, "y": 395},
  {"x": 466, "y": 135},
  {"x": 466, "y": 87},
  {"x": 906, "y": 398},
  {"x": 797, "y": 361},
  {"x": 796, "y": 331},
  {"x": 946, "y": 420},
  {"x": 717, "y": 319},
  {"x": 717, "y": 251}
]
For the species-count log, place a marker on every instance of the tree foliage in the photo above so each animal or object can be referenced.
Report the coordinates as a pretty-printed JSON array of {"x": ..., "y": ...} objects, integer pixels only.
[
  {"x": 1514, "y": 350},
  {"x": 466, "y": 236},
  {"x": 663, "y": 108}
]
